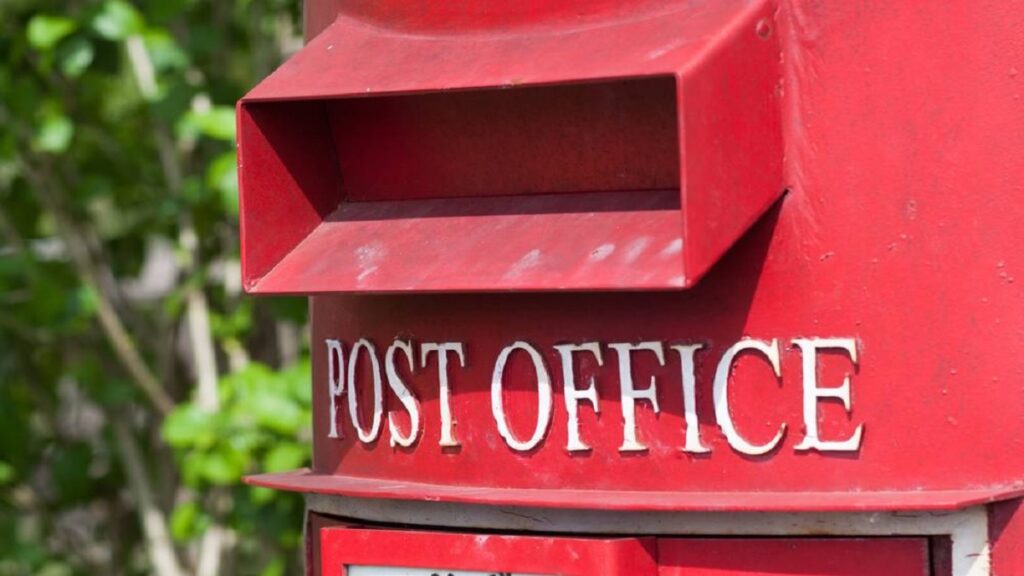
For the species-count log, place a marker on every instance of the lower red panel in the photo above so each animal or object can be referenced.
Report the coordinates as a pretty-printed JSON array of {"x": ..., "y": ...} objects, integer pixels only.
[
  {"x": 346, "y": 551},
  {"x": 796, "y": 556}
]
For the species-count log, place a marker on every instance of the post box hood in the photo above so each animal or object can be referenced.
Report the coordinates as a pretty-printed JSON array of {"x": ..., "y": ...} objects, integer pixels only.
[{"x": 613, "y": 150}]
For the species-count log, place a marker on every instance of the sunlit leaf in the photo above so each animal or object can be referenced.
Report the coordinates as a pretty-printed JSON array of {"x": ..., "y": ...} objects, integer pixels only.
[
  {"x": 218, "y": 122},
  {"x": 262, "y": 495},
  {"x": 75, "y": 56},
  {"x": 54, "y": 134},
  {"x": 117, "y": 20},
  {"x": 188, "y": 521},
  {"x": 164, "y": 50},
  {"x": 84, "y": 301},
  {"x": 221, "y": 468},
  {"x": 285, "y": 456},
  {"x": 45, "y": 31},
  {"x": 183, "y": 520},
  {"x": 222, "y": 175},
  {"x": 188, "y": 425},
  {"x": 274, "y": 411}
]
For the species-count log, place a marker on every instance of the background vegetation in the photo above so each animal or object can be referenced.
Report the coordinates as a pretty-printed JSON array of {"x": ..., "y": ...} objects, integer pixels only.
[{"x": 137, "y": 384}]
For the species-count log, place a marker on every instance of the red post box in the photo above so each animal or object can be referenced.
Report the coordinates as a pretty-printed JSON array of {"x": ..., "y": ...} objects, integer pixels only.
[{"x": 652, "y": 287}]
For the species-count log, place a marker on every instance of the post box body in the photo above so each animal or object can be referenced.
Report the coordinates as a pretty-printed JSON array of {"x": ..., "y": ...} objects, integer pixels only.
[{"x": 772, "y": 327}]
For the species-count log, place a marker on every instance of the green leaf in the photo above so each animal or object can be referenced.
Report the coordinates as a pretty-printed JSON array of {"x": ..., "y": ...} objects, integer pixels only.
[
  {"x": 296, "y": 380},
  {"x": 183, "y": 520},
  {"x": 7, "y": 473},
  {"x": 44, "y": 31},
  {"x": 188, "y": 426},
  {"x": 164, "y": 51},
  {"x": 234, "y": 324},
  {"x": 221, "y": 468},
  {"x": 285, "y": 456},
  {"x": 188, "y": 521},
  {"x": 84, "y": 301},
  {"x": 117, "y": 20},
  {"x": 54, "y": 135},
  {"x": 274, "y": 410},
  {"x": 261, "y": 495},
  {"x": 222, "y": 175},
  {"x": 218, "y": 122},
  {"x": 75, "y": 56}
]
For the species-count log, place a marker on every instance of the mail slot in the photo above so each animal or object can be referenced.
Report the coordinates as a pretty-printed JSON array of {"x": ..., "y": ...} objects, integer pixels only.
[{"x": 650, "y": 287}]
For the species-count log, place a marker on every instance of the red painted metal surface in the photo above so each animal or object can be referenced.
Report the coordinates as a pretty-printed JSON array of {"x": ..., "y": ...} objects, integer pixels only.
[
  {"x": 307, "y": 481},
  {"x": 1006, "y": 534},
  {"x": 607, "y": 136},
  {"x": 902, "y": 230},
  {"x": 618, "y": 110},
  {"x": 313, "y": 553},
  {"x": 343, "y": 547},
  {"x": 794, "y": 556}
]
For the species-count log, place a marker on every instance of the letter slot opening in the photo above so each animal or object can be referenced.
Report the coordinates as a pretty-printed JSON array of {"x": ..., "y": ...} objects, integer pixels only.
[{"x": 592, "y": 137}]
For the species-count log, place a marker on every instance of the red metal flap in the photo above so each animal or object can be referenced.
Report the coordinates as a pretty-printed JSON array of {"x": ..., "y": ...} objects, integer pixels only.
[
  {"x": 346, "y": 550},
  {"x": 626, "y": 152},
  {"x": 793, "y": 556}
]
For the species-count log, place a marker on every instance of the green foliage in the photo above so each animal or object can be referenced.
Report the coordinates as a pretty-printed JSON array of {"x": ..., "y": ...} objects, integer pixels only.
[
  {"x": 217, "y": 122},
  {"x": 117, "y": 142},
  {"x": 44, "y": 32},
  {"x": 75, "y": 56},
  {"x": 262, "y": 415},
  {"x": 259, "y": 427},
  {"x": 54, "y": 133},
  {"x": 116, "y": 20}
]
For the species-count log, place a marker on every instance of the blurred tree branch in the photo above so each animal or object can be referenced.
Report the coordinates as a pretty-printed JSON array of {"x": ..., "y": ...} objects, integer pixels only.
[{"x": 154, "y": 522}]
